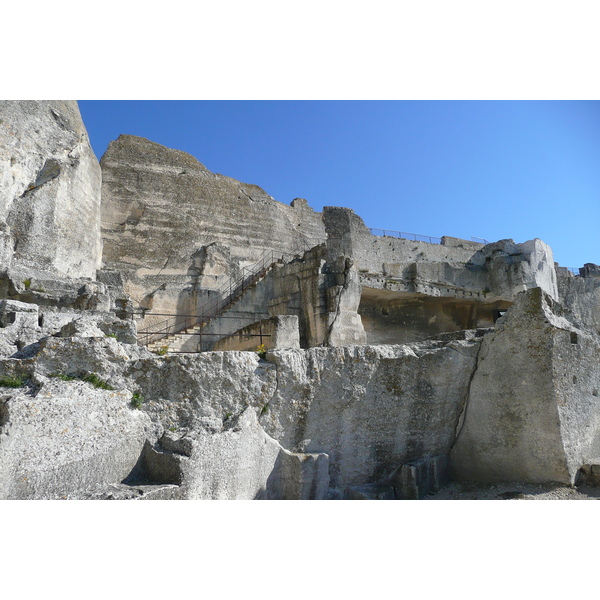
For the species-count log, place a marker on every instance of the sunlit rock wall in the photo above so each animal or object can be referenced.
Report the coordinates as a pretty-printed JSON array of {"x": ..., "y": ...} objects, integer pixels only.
[{"x": 50, "y": 184}]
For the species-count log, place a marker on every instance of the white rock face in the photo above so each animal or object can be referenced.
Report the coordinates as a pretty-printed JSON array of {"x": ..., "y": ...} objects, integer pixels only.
[
  {"x": 65, "y": 438},
  {"x": 162, "y": 211},
  {"x": 512, "y": 268},
  {"x": 533, "y": 413},
  {"x": 370, "y": 408},
  {"x": 243, "y": 462},
  {"x": 50, "y": 184},
  {"x": 303, "y": 424}
]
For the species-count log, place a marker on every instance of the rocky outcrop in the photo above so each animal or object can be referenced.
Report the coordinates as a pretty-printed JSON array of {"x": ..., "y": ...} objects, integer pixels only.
[
  {"x": 23, "y": 326},
  {"x": 500, "y": 380},
  {"x": 162, "y": 210},
  {"x": 532, "y": 413},
  {"x": 60, "y": 439},
  {"x": 302, "y": 424},
  {"x": 49, "y": 191}
]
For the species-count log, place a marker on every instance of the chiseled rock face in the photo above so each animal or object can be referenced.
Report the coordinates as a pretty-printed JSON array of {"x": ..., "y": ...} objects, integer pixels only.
[
  {"x": 512, "y": 268},
  {"x": 533, "y": 413},
  {"x": 302, "y": 424},
  {"x": 50, "y": 183},
  {"x": 65, "y": 438},
  {"x": 370, "y": 408},
  {"x": 243, "y": 462},
  {"x": 161, "y": 207},
  {"x": 501, "y": 269}
]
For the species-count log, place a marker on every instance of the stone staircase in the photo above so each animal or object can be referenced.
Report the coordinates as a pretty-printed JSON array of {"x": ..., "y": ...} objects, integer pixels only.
[{"x": 173, "y": 341}]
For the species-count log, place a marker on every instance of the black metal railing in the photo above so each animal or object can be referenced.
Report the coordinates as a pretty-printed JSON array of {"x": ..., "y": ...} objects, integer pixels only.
[
  {"x": 207, "y": 340},
  {"x": 416, "y": 237},
  {"x": 224, "y": 297},
  {"x": 404, "y": 235}
]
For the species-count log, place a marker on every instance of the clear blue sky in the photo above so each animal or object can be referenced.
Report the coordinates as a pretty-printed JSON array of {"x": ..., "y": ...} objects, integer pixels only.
[{"x": 507, "y": 169}]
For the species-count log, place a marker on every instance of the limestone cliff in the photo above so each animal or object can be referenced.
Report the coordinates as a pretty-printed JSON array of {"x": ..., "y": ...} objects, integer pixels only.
[
  {"x": 161, "y": 207},
  {"x": 89, "y": 414},
  {"x": 485, "y": 361},
  {"x": 49, "y": 191}
]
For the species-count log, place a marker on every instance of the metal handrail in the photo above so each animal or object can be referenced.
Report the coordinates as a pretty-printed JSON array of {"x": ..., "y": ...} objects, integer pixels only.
[
  {"x": 209, "y": 310},
  {"x": 408, "y": 236},
  {"x": 416, "y": 237}
]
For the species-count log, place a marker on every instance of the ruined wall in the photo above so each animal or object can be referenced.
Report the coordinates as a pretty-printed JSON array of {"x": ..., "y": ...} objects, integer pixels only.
[
  {"x": 274, "y": 333},
  {"x": 455, "y": 268},
  {"x": 49, "y": 191},
  {"x": 348, "y": 235},
  {"x": 581, "y": 295},
  {"x": 323, "y": 294},
  {"x": 160, "y": 207}
]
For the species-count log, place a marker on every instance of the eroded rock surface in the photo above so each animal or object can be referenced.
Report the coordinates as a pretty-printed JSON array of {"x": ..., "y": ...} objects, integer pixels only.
[
  {"x": 50, "y": 184},
  {"x": 533, "y": 411},
  {"x": 159, "y": 249},
  {"x": 302, "y": 424}
]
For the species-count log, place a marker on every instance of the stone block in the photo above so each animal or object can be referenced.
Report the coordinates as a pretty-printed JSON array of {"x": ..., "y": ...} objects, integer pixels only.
[{"x": 416, "y": 479}]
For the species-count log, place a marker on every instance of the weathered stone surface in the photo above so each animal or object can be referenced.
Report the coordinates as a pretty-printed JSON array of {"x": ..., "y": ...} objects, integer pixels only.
[
  {"x": 310, "y": 423},
  {"x": 532, "y": 414},
  {"x": 415, "y": 480},
  {"x": 24, "y": 325},
  {"x": 589, "y": 474},
  {"x": 581, "y": 296},
  {"x": 501, "y": 269},
  {"x": 49, "y": 190},
  {"x": 100, "y": 326},
  {"x": 160, "y": 207},
  {"x": 338, "y": 420},
  {"x": 369, "y": 408},
  {"x": 274, "y": 333},
  {"x": 590, "y": 270},
  {"x": 243, "y": 462},
  {"x": 65, "y": 438}
]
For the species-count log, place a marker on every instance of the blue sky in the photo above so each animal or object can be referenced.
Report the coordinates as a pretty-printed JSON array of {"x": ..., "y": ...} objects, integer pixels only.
[{"x": 489, "y": 169}]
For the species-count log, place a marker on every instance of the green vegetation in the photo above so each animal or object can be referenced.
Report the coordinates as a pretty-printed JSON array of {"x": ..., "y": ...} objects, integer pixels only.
[
  {"x": 261, "y": 351},
  {"x": 264, "y": 409},
  {"x": 112, "y": 335},
  {"x": 88, "y": 378},
  {"x": 96, "y": 381},
  {"x": 27, "y": 283},
  {"x": 137, "y": 400},
  {"x": 63, "y": 376},
  {"x": 12, "y": 382},
  {"x": 162, "y": 350}
]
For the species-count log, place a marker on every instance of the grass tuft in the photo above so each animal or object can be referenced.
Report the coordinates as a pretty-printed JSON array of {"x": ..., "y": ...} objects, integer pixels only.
[{"x": 12, "y": 382}]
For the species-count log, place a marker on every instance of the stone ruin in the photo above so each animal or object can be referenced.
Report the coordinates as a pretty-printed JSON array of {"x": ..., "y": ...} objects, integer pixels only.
[{"x": 168, "y": 332}]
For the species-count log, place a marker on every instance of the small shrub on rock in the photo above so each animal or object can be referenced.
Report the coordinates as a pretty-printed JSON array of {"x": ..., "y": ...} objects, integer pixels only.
[
  {"x": 137, "y": 400},
  {"x": 63, "y": 376}
]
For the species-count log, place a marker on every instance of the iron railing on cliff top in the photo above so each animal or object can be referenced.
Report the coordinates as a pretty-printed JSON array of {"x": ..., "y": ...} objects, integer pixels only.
[{"x": 416, "y": 237}]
